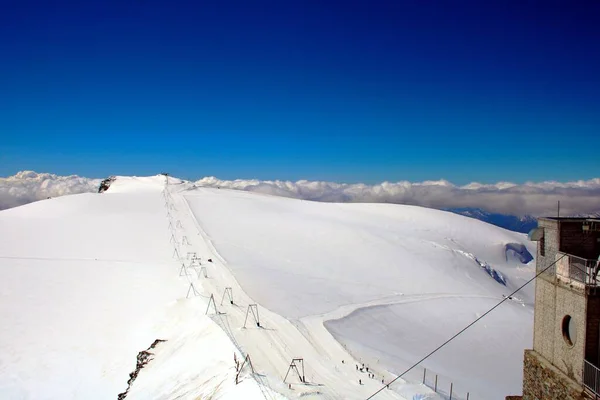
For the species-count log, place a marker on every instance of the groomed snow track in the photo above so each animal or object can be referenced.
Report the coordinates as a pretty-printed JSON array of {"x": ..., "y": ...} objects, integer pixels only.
[{"x": 278, "y": 340}]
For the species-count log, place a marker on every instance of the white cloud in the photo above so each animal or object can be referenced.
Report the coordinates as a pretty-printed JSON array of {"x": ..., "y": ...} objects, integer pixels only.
[
  {"x": 503, "y": 197},
  {"x": 532, "y": 198},
  {"x": 28, "y": 186}
]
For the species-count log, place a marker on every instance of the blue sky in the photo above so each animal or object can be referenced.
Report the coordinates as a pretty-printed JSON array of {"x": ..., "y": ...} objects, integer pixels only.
[{"x": 340, "y": 91}]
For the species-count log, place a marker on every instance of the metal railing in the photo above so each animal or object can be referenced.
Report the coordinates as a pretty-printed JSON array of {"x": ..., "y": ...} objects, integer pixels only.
[
  {"x": 591, "y": 377},
  {"x": 577, "y": 269},
  {"x": 444, "y": 387}
]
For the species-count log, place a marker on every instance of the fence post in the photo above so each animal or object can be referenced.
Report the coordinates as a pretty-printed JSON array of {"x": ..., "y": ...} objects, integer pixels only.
[
  {"x": 450, "y": 390},
  {"x": 435, "y": 388},
  {"x": 587, "y": 376},
  {"x": 596, "y": 382},
  {"x": 424, "y": 372}
]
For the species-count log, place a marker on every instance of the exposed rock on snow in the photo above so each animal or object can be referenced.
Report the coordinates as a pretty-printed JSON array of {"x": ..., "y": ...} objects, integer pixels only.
[
  {"x": 105, "y": 184},
  {"x": 143, "y": 358}
]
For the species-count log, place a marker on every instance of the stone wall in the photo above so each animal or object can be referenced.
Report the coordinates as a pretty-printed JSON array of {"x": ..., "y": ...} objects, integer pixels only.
[
  {"x": 569, "y": 358},
  {"x": 544, "y": 317},
  {"x": 545, "y": 291},
  {"x": 554, "y": 301},
  {"x": 542, "y": 381},
  {"x": 551, "y": 244}
]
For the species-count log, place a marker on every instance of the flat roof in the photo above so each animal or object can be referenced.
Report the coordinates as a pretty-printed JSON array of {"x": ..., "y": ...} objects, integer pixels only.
[{"x": 582, "y": 219}]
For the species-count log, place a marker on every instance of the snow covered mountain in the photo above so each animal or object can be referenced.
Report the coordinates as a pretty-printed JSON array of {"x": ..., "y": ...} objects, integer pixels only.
[
  {"x": 88, "y": 281},
  {"x": 494, "y": 203}
]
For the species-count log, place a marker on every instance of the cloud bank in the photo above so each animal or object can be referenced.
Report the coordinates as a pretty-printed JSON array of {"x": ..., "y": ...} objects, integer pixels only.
[
  {"x": 580, "y": 197},
  {"x": 28, "y": 186}
]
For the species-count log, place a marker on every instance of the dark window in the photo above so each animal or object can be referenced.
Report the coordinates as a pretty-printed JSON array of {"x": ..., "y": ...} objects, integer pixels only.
[{"x": 542, "y": 244}]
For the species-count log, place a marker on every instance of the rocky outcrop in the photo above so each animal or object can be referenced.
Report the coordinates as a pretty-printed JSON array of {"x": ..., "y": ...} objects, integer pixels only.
[
  {"x": 105, "y": 184},
  {"x": 143, "y": 358}
]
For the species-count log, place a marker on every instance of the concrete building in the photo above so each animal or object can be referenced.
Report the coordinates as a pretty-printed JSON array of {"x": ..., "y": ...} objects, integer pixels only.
[{"x": 565, "y": 360}]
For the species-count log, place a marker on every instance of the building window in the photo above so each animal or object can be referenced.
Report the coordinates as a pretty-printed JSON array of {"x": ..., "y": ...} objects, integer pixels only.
[
  {"x": 569, "y": 331},
  {"x": 542, "y": 243}
]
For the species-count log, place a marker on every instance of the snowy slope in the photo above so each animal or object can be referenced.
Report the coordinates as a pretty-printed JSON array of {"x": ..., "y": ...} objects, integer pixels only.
[
  {"x": 87, "y": 281},
  {"x": 315, "y": 257},
  {"x": 303, "y": 259},
  {"x": 84, "y": 282}
]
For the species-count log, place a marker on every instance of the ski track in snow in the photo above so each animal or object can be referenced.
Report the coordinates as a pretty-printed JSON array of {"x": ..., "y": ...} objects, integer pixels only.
[
  {"x": 312, "y": 328},
  {"x": 317, "y": 336},
  {"x": 305, "y": 338}
]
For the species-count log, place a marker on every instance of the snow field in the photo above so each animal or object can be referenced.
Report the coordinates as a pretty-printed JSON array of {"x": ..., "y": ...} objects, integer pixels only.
[
  {"x": 307, "y": 260},
  {"x": 82, "y": 278},
  {"x": 88, "y": 281},
  {"x": 273, "y": 345}
]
